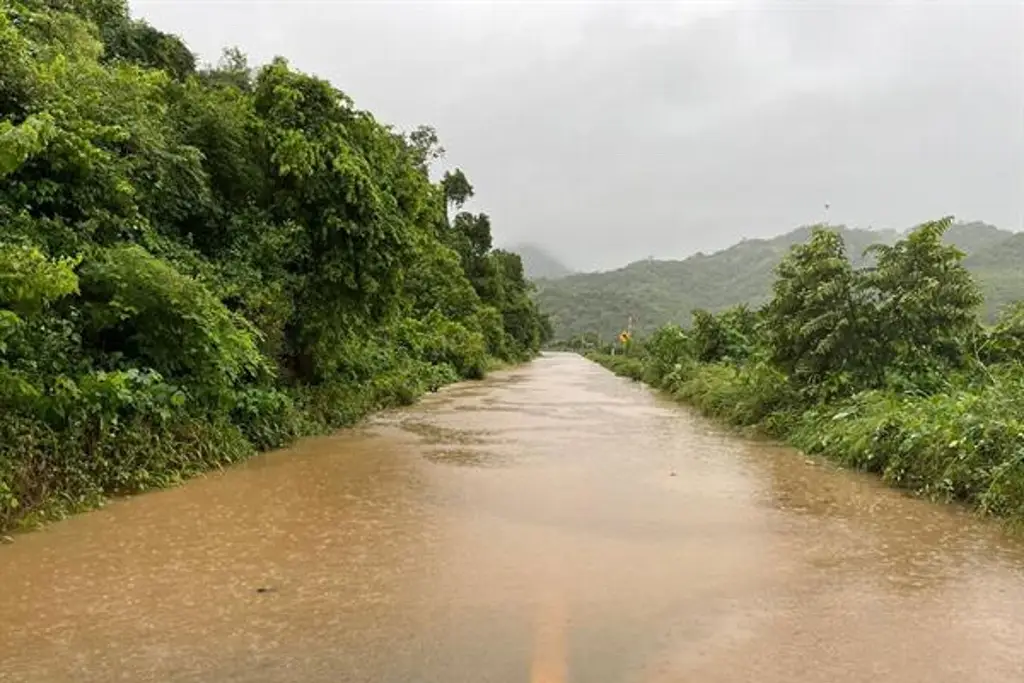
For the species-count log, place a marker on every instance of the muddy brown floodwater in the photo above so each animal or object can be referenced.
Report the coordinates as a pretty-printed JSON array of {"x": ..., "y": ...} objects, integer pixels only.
[{"x": 551, "y": 524}]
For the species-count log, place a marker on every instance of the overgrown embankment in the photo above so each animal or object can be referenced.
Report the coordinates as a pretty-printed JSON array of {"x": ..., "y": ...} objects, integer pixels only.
[
  {"x": 884, "y": 369},
  {"x": 199, "y": 263}
]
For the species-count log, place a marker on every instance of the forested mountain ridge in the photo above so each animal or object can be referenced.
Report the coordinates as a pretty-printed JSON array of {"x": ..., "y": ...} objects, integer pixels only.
[
  {"x": 655, "y": 292},
  {"x": 197, "y": 263}
]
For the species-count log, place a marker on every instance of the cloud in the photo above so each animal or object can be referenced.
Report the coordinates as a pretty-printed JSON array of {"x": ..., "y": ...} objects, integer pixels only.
[{"x": 610, "y": 131}]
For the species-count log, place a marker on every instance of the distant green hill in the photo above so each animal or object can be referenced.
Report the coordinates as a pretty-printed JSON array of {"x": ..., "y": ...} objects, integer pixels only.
[
  {"x": 999, "y": 268},
  {"x": 538, "y": 263},
  {"x": 655, "y": 292}
]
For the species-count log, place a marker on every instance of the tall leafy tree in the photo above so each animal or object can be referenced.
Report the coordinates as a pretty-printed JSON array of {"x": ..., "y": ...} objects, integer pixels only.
[
  {"x": 925, "y": 301},
  {"x": 457, "y": 189},
  {"x": 814, "y": 322}
]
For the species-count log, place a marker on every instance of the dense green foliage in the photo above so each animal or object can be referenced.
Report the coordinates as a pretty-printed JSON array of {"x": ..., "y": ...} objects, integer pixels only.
[
  {"x": 885, "y": 367},
  {"x": 657, "y": 292},
  {"x": 199, "y": 263}
]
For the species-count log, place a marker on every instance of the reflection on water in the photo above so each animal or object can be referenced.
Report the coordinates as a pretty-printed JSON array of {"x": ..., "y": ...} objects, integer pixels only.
[{"x": 524, "y": 529}]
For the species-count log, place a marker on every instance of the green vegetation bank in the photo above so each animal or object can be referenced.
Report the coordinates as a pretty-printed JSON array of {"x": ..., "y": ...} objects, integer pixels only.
[
  {"x": 883, "y": 367},
  {"x": 197, "y": 264}
]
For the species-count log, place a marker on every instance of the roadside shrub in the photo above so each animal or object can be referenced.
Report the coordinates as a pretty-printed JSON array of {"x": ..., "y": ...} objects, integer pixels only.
[
  {"x": 626, "y": 366},
  {"x": 141, "y": 307},
  {"x": 47, "y": 473},
  {"x": 438, "y": 340},
  {"x": 267, "y": 417},
  {"x": 1005, "y": 341},
  {"x": 966, "y": 446}
]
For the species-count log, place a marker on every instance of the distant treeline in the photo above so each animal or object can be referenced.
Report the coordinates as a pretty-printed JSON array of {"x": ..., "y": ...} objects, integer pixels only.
[
  {"x": 885, "y": 367},
  {"x": 198, "y": 263}
]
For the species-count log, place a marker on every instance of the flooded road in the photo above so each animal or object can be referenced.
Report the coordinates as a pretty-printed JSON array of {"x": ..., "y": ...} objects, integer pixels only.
[{"x": 551, "y": 524}]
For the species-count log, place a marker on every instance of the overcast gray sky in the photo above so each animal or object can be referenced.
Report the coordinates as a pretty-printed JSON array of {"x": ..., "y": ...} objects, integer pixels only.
[{"x": 611, "y": 131}]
